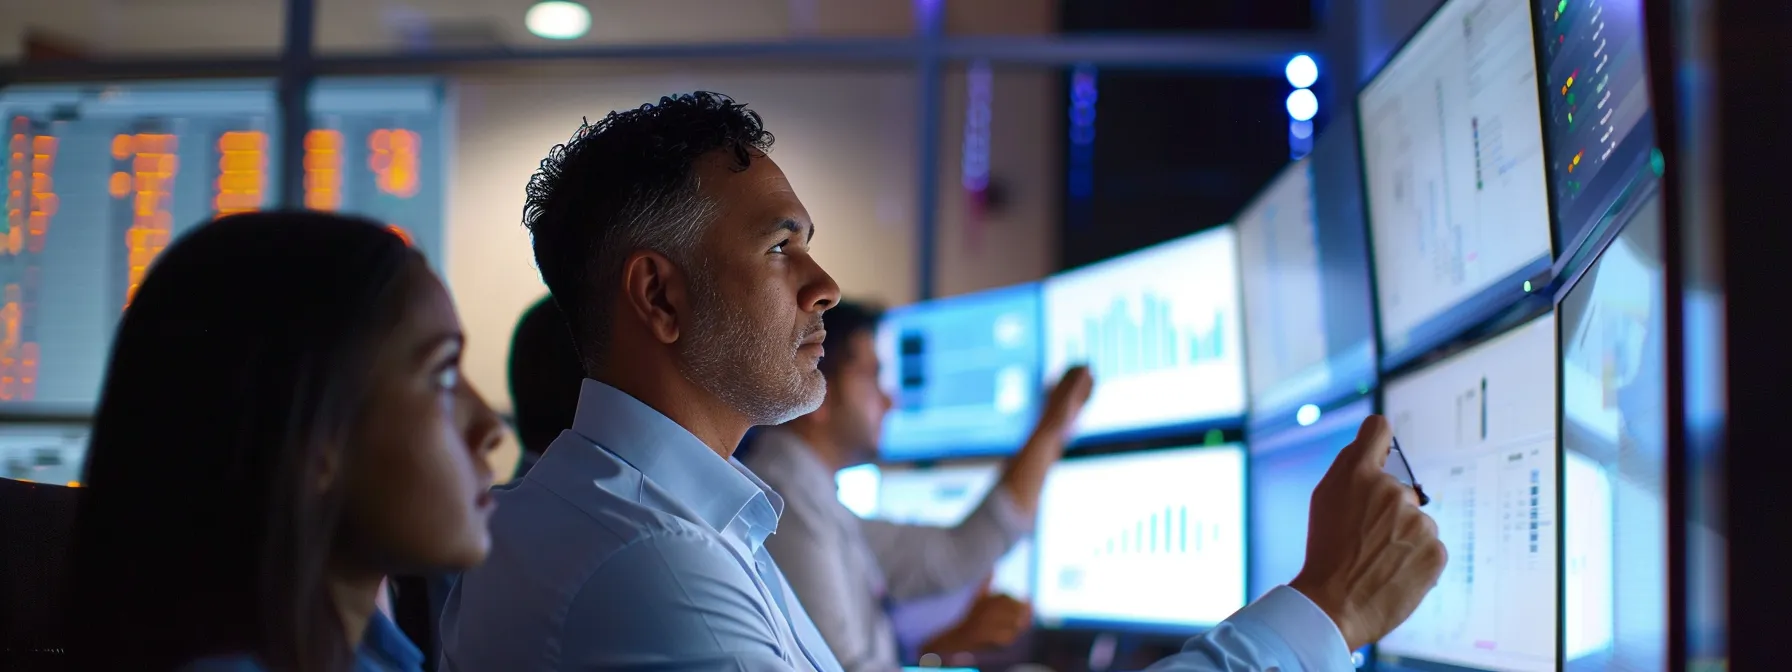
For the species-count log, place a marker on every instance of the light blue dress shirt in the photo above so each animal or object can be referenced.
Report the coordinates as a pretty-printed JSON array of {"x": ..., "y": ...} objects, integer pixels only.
[
  {"x": 1282, "y": 631},
  {"x": 630, "y": 546}
]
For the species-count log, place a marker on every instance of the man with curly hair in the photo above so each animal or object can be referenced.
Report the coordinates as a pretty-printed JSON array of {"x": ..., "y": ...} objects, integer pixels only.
[{"x": 680, "y": 257}]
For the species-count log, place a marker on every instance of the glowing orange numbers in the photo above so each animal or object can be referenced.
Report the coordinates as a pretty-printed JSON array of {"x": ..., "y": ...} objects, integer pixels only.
[
  {"x": 393, "y": 158},
  {"x": 323, "y": 170},
  {"x": 153, "y": 167},
  {"x": 242, "y": 172},
  {"x": 30, "y": 203}
]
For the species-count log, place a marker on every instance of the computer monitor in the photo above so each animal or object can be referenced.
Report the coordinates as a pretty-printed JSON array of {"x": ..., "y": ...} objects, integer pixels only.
[
  {"x": 1614, "y": 517},
  {"x": 1304, "y": 268},
  {"x": 1286, "y": 464},
  {"x": 109, "y": 174},
  {"x": 1150, "y": 540},
  {"x": 963, "y": 374},
  {"x": 856, "y": 488},
  {"x": 1453, "y": 164},
  {"x": 1599, "y": 124},
  {"x": 55, "y": 454},
  {"x": 1159, "y": 330},
  {"x": 113, "y": 179},
  {"x": 1479, "y": 430},
  {"x": 943, "y": 496}
]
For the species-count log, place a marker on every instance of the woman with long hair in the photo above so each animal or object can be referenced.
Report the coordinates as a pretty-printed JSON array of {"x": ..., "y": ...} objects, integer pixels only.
[{"x": 283, "y": 423}]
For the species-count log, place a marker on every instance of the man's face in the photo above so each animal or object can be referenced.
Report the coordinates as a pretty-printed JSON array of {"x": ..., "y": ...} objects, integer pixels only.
[
  {"x": 754, "y": 337},
  {"x": 856, "y": 402}
]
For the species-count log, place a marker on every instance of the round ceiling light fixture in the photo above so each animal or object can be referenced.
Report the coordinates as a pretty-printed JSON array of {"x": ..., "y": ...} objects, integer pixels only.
[{"x": 558, "y": 20}]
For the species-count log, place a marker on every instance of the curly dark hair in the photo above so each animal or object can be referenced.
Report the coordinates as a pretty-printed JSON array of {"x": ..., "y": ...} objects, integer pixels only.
[{"x": 624, "y": 184}]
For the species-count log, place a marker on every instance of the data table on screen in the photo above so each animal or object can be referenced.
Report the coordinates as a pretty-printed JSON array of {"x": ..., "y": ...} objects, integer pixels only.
[
  {"x": 1453, "y": 162},
  {"x": 1154, "y": 539},
  {"x": 376, "y": 150},
  {"x": 1478, "y": 429},
  {"x": 962, "y": 374},
  {"x": 1615, "y": 449},
  {"x": 103, "y": 178},
  {"x": 1160, "y": 331},
  {"x": 1278, "y": 251}
]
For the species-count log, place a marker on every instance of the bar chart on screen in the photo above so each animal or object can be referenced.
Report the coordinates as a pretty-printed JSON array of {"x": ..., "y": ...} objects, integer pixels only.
[
  {"x": 1159, "y": 330},
  {"x": 1153, "y": 537},
  {"x": 1136, "y": 337}
]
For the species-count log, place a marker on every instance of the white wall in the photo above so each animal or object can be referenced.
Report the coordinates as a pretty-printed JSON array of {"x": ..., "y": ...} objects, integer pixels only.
[
  {"x": 1019, "y": 242},
  {"x": 846, "y": 137}
]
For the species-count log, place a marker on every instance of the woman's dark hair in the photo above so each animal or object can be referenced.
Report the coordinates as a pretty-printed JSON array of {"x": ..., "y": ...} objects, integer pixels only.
[{"x": 240, "y": 363}]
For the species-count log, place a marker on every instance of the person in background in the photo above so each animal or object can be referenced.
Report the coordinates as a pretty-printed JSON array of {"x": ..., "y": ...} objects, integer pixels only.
[
  {"x": 681, "y": 256},
  {"x": 545, "y": 375},
  {"x": 282, "y": 425},
  {"x": 849, "y": 571}
]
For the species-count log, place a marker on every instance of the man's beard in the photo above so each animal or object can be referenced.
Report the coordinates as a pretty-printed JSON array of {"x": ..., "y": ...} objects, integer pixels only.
[{"x": 753, "y": 369}]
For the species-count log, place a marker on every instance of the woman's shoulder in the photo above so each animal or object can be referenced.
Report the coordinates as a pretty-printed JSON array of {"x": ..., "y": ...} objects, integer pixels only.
[{"x": 230, "y": 663}]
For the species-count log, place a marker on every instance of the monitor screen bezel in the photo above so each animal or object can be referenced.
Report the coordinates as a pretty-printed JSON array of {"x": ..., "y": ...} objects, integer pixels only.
[{"x": 1603, "y": 235}]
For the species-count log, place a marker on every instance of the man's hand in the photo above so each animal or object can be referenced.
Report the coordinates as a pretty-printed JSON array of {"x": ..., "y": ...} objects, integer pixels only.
[
  {"x": 994, "y": 621},
  {"x": 1064, "y": 404},
  {"x": 1372, "y": 555},
  {"x": 1025, "y": 474}
]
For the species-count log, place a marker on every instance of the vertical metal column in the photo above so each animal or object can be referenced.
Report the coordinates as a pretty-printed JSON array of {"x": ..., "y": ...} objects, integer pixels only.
[
  {"x": 1340, "y": 66},
  {"x": 294, "y": 92},
  {"x": 930, "y": 21}
]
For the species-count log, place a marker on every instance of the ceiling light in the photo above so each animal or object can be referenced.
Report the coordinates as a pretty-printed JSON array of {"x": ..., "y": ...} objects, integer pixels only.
[{"x": 558, "y": 20}]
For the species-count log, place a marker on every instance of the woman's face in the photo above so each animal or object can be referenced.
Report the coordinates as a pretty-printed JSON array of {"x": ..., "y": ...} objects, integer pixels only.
[{"x": 416, "y": 477}]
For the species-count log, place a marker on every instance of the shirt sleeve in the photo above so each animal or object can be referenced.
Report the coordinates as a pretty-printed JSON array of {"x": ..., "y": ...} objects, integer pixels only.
[
  {"x": 673, "y": 602},
  {"x": 922, "y": 561},
  {"x": 1282, "y": 631},
  {"x": 840, "y": 604}
]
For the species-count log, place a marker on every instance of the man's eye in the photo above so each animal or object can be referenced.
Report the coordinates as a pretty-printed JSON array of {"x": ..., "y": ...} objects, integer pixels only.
[{"x": 779, "y": 248}]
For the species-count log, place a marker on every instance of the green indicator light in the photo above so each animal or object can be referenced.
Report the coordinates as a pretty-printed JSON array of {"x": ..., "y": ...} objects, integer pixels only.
[
  {"x": 1215, "y": 437},
  {"x": 1657, "y": 162},
  {"x": 1527, "y": 286},
  {"x": 1562, "y": 6}
]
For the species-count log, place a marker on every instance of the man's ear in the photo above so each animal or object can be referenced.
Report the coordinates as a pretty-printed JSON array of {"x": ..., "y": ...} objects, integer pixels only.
[{"x": 656, "y": 293}]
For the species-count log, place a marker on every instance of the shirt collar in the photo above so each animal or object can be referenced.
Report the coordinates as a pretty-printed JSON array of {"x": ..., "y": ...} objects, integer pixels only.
[
  {"x": 384, "y": 642},
  {"x": 675, "y": 459}
]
